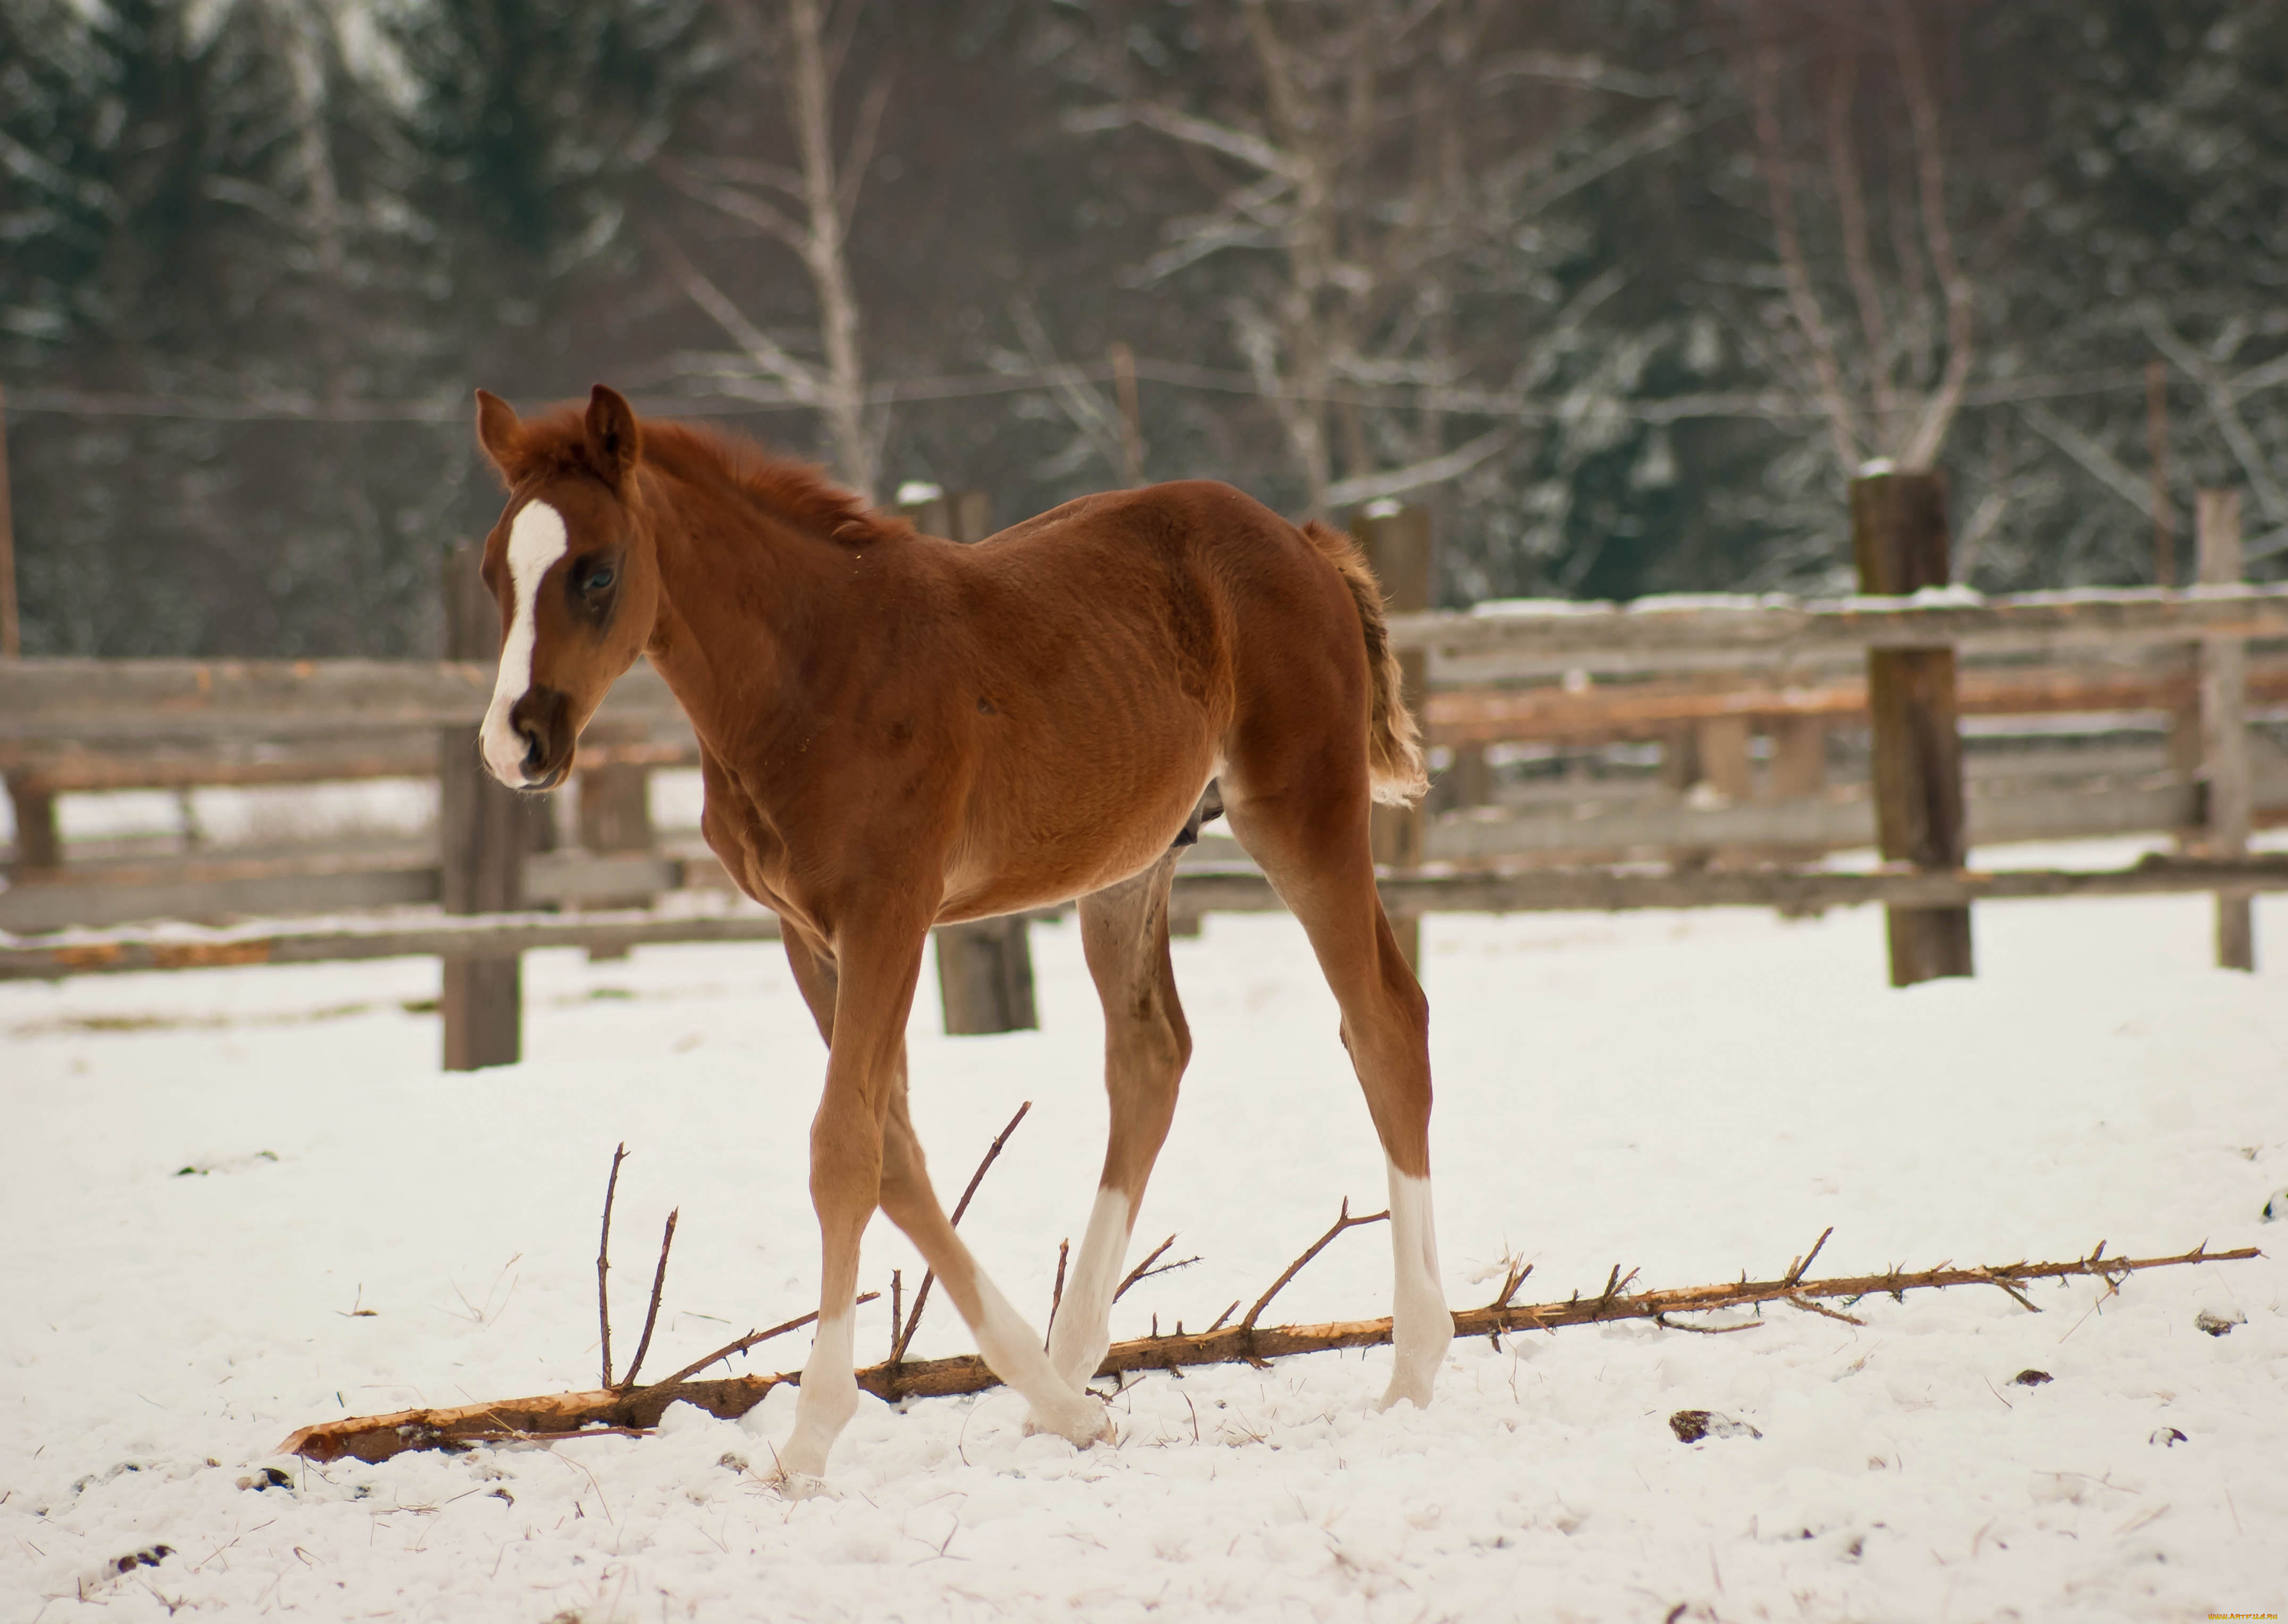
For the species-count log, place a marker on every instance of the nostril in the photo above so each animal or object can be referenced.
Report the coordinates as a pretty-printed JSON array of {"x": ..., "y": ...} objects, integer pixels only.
[{"x": 539, "y": 720}]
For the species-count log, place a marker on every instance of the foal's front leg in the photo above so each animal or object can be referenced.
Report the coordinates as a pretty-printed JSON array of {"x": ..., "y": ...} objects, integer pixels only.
[
  {"x": 863, "y": 1153},
  {"x": 861, "y": 1000}
]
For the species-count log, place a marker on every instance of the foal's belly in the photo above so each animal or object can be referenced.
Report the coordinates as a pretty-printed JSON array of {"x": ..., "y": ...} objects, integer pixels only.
[{"x": 1039, "y": 854}]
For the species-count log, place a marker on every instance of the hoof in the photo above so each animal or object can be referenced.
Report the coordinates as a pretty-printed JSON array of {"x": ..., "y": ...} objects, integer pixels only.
[
  {"x": 1417, "y": 1393},
  {"x": 1088, "y": 1420},
  {"x": 803, "y": 1486}
]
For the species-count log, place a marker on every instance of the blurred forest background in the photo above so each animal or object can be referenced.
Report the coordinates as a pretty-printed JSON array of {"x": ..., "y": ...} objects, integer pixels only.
[{"x": 1624, "y": 290}]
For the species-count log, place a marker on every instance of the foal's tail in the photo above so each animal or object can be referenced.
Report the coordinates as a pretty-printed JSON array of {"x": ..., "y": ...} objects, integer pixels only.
[{"x": 1394, "y": 745}]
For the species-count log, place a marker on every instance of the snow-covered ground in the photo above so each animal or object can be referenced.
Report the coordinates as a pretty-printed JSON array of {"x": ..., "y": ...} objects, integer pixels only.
[{"x": 210, "y": 1177}]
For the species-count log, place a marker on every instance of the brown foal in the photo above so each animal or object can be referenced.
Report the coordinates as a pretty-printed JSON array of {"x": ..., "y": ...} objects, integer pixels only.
[{"x": 897, "y": 732}]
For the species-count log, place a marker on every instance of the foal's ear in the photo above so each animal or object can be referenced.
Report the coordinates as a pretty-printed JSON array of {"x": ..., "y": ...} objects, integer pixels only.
[
  {"x": 614, "y": 440},
  {"x": 499, "y": 432}
]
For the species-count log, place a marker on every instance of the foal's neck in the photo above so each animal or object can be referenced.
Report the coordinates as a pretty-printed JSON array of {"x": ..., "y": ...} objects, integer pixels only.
[{"x": 746, "y": 601}]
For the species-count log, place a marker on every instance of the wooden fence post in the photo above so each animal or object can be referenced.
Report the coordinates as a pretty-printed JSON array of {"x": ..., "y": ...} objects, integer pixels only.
[
  {"x": 1472, "y": 773},
  {"x": 1726, "y": 765},
  {"x": 12, "y": 635},
  {"x": 482, "y": 830},
  {"x": 36, "y": 843},
  {"x": 39, "y": 844},
  {"x": 615, "y": 815},
  {"x": 1899, "y": 538},
  {"x": 984, "y": 968},
  {"x": 1799, "y": 758},
  {"x": 1398, "y": 545},
  {"x": 2227, "y": 789}
]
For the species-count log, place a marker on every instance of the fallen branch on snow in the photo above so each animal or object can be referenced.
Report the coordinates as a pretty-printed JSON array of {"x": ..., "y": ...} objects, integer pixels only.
[{"x": 378, "y": 1437}]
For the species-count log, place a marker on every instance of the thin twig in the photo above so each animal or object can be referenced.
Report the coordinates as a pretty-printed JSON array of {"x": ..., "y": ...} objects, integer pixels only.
[
  {"x": 750, "y": 1339},
  {"x": 1615, "y": 1284},
  {"x": 1137, "y": 1273},
  {"x": 897, "y": 1308},
  {"x": 1705, "y": 1330},
  {"x": 1930, "y": 175},
  {"x": 1056, "y": 1292},
  {"x": 2016, "y": 1295},
  {"x": 1145, "y": 1271},
  {"x": 604, "y": 1259},
  {"x": 1796, "y": 1269},
  {"x": 1810, "y": 1307},
  {"x": 1513, "y": 1277},
  {"x": 1343, "y": 1221},
  {"x": 929, "y": 1279},
  {"x": 1803, "y": 300},
  {"x": 651, "y": 1314}
]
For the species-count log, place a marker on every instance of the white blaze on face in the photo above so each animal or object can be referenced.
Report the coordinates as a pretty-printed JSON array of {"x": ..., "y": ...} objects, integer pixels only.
[{"x": 536, "y": 539}]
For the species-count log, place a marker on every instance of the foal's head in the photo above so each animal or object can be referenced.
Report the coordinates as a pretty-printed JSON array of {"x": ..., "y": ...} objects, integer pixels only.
[{"x": 571, "y": 564}]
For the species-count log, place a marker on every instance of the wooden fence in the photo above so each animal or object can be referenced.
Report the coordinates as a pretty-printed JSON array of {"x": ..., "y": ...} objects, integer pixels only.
[{"x": 1704, "y": 679}]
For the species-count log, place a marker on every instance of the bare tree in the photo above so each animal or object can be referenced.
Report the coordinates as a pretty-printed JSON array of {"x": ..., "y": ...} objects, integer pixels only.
[
  {"x": 1364, "y": 155},
  {"x": 808, "y": 207},
  {"x": 1890, "y": 380}
]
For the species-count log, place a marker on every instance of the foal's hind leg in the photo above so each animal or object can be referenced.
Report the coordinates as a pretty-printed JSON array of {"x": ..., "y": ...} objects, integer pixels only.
[
  {"x": 1005, "y": 1341},
  {"x": 1310, "y": 837},
  {"x": 1124, "y": 934}
]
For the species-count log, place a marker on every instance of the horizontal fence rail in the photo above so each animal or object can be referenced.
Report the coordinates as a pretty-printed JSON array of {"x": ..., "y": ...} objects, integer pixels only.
[
  {"x": 1197, "y": 891},
  {"x": 1679, "y": 635},
  {"x": 71, "y": 699},
  {"x": 61, "y": 698}
]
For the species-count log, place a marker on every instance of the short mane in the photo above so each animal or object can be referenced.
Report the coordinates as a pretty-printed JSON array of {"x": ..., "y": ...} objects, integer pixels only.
[{"x": 801, "y": 494}]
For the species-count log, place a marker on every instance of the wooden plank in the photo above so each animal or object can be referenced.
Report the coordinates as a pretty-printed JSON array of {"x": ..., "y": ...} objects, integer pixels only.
[
  {"x": 1457, "y": 718},
  {"x": 212, "y": 889},
  {"x": 2226, "y": 781},
  {"x": 1754, "y": 634},
  {"x": 66, "y": 699},
  {"x": 76, "y": 768},
  {"x": 1840, "y": 819},
  {"x": 1899, "y": 541},
  {"x": 209, "y": 892},
  {"x": 1792, "y": 891},
  {"x": 74, "y": 698},
  {"x": 1205, "y": 890},
  {"x": 478, "y": 938},
  {"x": 1653, "y": 710},
  {"x": 215, "y": 887}
]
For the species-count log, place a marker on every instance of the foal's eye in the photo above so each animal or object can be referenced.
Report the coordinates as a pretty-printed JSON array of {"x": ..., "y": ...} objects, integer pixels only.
[{"x": 598, "y": 580}]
